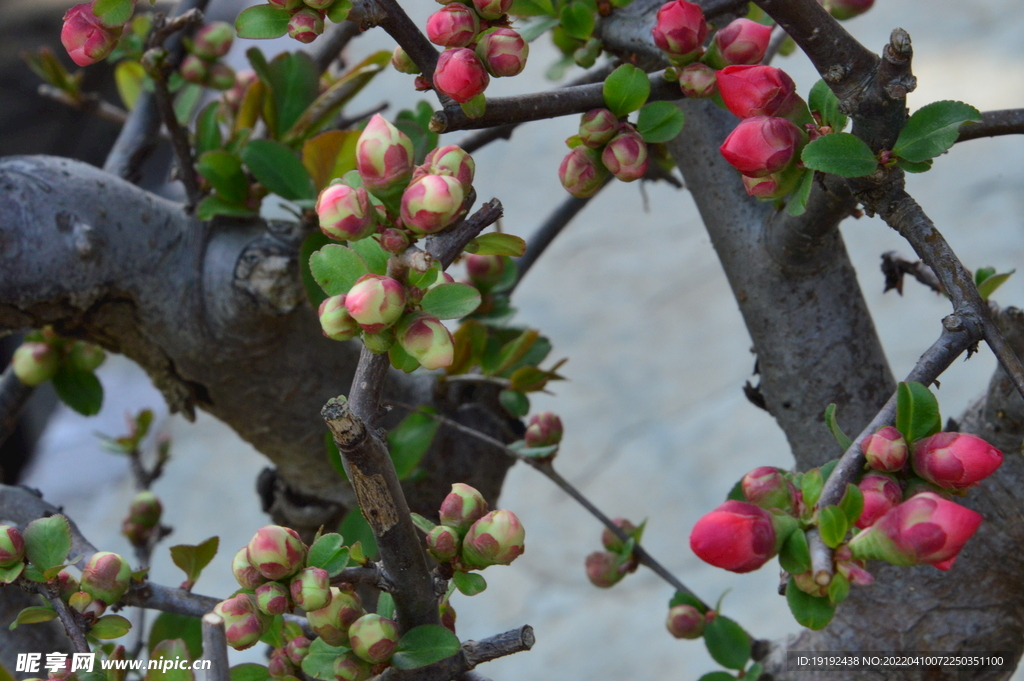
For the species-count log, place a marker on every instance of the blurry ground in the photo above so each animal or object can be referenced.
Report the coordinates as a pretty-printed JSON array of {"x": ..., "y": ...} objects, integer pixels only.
[{"x": 657, "y": 425}]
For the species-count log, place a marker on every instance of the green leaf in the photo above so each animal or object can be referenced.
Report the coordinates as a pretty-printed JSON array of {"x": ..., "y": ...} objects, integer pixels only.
[
  {"x": 538, "y": 27},
  {"x": 169, "y": 625},
  {"x": 911, "y": 167},
  {"x": 530, "y": 8},
  {"x": 9, "y": 574},
  {"x": 917, "y": 412},
  {"x": 410, "y": 440},
  {"x": 251, "y": 671},
  {"x": 683, "y": 598},
  {"x": 186, "y": 101},
  {"x": 130, "y": 76},
  {"x": 375, "y": 257},
  {"x": 422, "y": 523},
  {"x": 386, "y": 605},
  {"x": 833, "y": 426},
  {"x": 273, "y": 635},
  {"x": 841, "y": 154},
  {"x": 336, "y": 268},
  {"x": 497, "y": 243},
  {"x": 852, "y": 503},
  {"x": 224, "y": 173},
  {"x": 356, "y": 529},
  {"x": 797, "y": 203},
  {"x": 825, "y": 102},
  {"x": 113, "y": 12},
  {"x": 33, "y": 614},
  {"x": 515, "y": 403},
  {"x": 293, "y": 82},
  {"x": 810, "y": 611},
  {"x": 838, "y": 589},
  {"x": 989, "y": 285},
  {"x": 728, "y": 644},
  {"x": 208, "y": 135},
  {"x": 338, "y": 11},
  {"x": 660, "y": 122},
  {"x": 469, "y": 583},
  {"x": 833, "y": 525},
  {"x": 279, "y": 169},
  {"x": 717, "y": 676},
  {"x": 262, "y": 21},
  {"x": 423, "y": 645},
  {"x": 329, "y": 553},
  {"x": 795, "y": 556},
  {"x": 319, "y": 662},
  {"x": 333, "y": 455},
  {"x": 811, "y": 486},
  {"x": 451, "y": 301},
  {"x": 192, "y": 559},
  {"x": 754, "y": 672},
  {"x": 80, "y": 390},
  {"x": 933, "y": 129},
  {"x": 47, "y": 541},
  {"x": 214, "y": 205},
  {"x": 626, "y": 89},
  {"x": 402, "y": 360},
  {"x": 314, "y": 242},
  {"x": 578, "y": 19},
  {"x": 110, "y": 626},
  {"x": 827, "y": 468}
]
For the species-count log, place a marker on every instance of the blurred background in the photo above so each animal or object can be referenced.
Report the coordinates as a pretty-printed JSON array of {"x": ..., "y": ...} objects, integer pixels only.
[{"x": 657, "y": 425}]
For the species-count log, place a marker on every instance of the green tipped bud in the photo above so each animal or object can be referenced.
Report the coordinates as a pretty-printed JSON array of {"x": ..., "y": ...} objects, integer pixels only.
[
  {"x": 403, "y": 63},
  {"x": 85, "y": 356},
  {"x": 543, "y": 429},
  {"x": 426, "y": 339},
  {"x": 272, "y": 598},
  {"x": 145, "y": 509},
  {"x": 279, "y": 666},
  {"x": 604, "y": 569},
  {"x": 431, "y": 203},
  {"x": 335, "y": 320},
  {"x": 348, "y": 667},
  {"x": 311, "y": 588},
  {"x": 373, "y": 638},
  {"x": 245, "y": 574},
  {"x": 213, "y": 40},
  {"x": 613, "y": 543},
  {"x": 443, "y": 543},
  {"x": 297, "y": 649},
  {"x": 106, "y": 576},
  {"x": 221, "y": 77},
  {"x": 463, "y": 506},
  {"x": 484, "y": 270},
  {"x": 12, "y": 546},
  {"x": 90, "y": 608},
  {"x": 35, "y": 363},
  {"x": 194, "y": 70},
  {"x": 597, "y": 127},
  {"x": 331, "y": 623},
  {"x": 685, "y": 621},
  {"x": 243, "y": 623},
  {"x": 277, "y": 552},
  {"x": 582, "y": 173},
  {"x": 448, "y": 616},
  {"x": 346, "y": 213},
  {"x": 66, "y": 584},
  {"x": 449, "y": 160},
  {"x": 496, "y": 539}
]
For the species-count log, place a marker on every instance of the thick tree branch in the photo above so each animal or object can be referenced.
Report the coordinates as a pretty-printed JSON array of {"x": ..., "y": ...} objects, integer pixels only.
[
  {"x": 14, "y": 395},
  {"x": 993, "y": 123},
  {"x": 448, "y": 245}
]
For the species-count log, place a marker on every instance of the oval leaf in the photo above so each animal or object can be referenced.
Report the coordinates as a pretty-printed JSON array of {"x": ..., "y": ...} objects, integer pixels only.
[
  {"x": 113, "y": 12},
  {"x": 933, "y": 129},
  {"x": 841, "y": 154},
  {"x": 279, "y": 169},
  {"x": 838, "y": 589},
  {"x": 795, "y": 556},
  {"x": 825, "y": 102},
  {"x": 375, "y": 257},
  {"x": 250, "y": 671},
  {"x": 48, "y": 541},
  {"x": 497, "y": 243},
  {"x": 852, "y": 503},
  {"x": 262, "y": 21},
  {"x": 917, "y": 412},
  {"x": 469, "y": 583},
  {"x": 80, "y": 390},
  {"x": 660, "y": 122},
  {"x": 192, "y": 559},
  {"x": 223, "y": 170},
  {"x": 425, "y": 645},
  {"x": 810, "y": 611},
  {"x": 833, "y": 525},
  {"x": 319, "y": 662},
  {"x": 336, "y": 268},
  {"x": 727, "y": 643},
  {"x": 811, "y": 485},
  {"x": 577, "y": 20},
  {"x": 833, "y": 426},
  {"x": 110, "y": 626},
  {"x": 626, "y": 89},
  {"x": 410, "y": 440},
  {"x": 451, "y": 301},
  {"x": 129, "y": 76},
  {"x": 329, "y": 553},
  {"x": 33, "y": 615},
  {"x": 169, "y": 625}
]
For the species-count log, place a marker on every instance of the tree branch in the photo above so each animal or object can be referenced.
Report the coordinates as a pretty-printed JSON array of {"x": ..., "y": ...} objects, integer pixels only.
[
  {"x": 89, "y": 103},
  {"x": 448, "y": 245},
  {"x": 894, "y": 267},
  {"x": 72, "y": 626},
  {"x": 993, "y": 123},
  {"x": 215, "y": 647},
  {"x": 14, "y": 395},
  {"x": 473, "y": 654},
  {"x": 332, "y": 43},
  {"x": 373, "y": 574}
]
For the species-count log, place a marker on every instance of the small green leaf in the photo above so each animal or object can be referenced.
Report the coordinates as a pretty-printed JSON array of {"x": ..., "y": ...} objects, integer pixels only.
[
  {"x": 192, "y": 559},
  {"x": 186, "y": 101},
  {"x": 224, "y": 173},
  {"x": 754, "y": 672},
  {"x": 833, "y": 426},
  {"x": 515, "y": 403},
  {"x": 410, "y": 440},
  {"x": 795, "y": 556},
  {"x": 422, "y": 523},
  {"x": 314, "y": 242},
  {"x": 825, "y": 102},
  {"x": 402, "y": 360},
  {"x": 811, "y": 486},
  {"x": 208, "y": 135},
  {"x": 33, "y": 614},
  {"x": 423, "y": 645},
  {"x": 810, "y": 611},
  {"x": 838, "y": 588},
  {"x": 917, "y": 412},
  {"x": 338, "y": 11},
  {"x": 660, "y": 122},
  {"x": 319, "y": 662},
  {"x": 536, "y": 28},
  {"x": 911, "y": 167},
  {"x": 578, "y": 19},
  {"x": 530, "y": 8},
  {"x": 451, "y": 301},
  {"x": 989, "y": 285},
  {"x": 375, "y": 257},
  {"x": 329, "y": 553},
  {"x": 47, "y": 541},
  {"x": 250, "y": 671},
  {"x": 273, "y": 635},
  {"x": 386, "y": 605},
  {"x": 841, "y": 154},
  {"x": 355, "y": 528},
  {"x": 262, "y": 21},
  {"x": 626, "y": 89},
  {"x": 214, "y": 205},
  {"x": 933, "y": 129},
  {"x": 833, "y": 525},
  {"x": 130, "y": 77},
  {"x": 279, "y": 169},
  {"x": 797, "y": 204},
  {"x": 683, "y": 598},
  {"x": 469, "y": 583},
  {"x": 169, "y": 625},
  {"x": 9, "y": 574},
  {"x": 497, "y": 243},
  {"x": 80, "y": 390},
  {"x": 727, "y": 643},
  {"x": 852, "y": 503},
  {"x": 336, "y": 268},
  {"x": 113, "y": 13},
  {"x": 110, "y": 626}
]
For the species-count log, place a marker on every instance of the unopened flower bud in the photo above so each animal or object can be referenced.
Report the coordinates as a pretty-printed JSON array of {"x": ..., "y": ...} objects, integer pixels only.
[
  {"x": 272, "y": 598},
  {"x": 698, "y": 81},
  {"x": 460, "y": 74},
  {"x": 305, "y": 25},
  {"x": 463, "y": 506},
  {"x": 847, "y": 9},
  {"x": 373, "y": 638},
  {"x": 485, "y": 270},
  {"x": 394, "y": 240},
  {"x": 453, "y": 161},
  {"x": 886, "y": 450},
  {"x": 279, "y": 666},
  {"x": 955, "y": 460},
  {"x": 193, "y": 69},
  {"x": 311, "y": 588},
  {"x": 582, "y": 173},
  {"x": 543, "y": 429},
  {"x": 426, "y": 339},
  {"x": 496, "y": 539},
  {"x": 431, "y": 203},
  {"x": 375, "y": 302},
  {"x": 598, "y": 127},
  {"x": 85, "y": 38},
  {"x": 492, "y": 9},
  {"x": 443, "y": 542},
  {"x": 243, "y": 623},
  {"x": 348, "y": 667},
  {"x": 503, "y": 52},
  {"x": 773, "y": 186},
  {"x": 66, "y": 584},
  {"x": 12, "y": 546},
  {"x": 335, "y": 320},
  {"x": 346, "y": 213},
  {"x": 685, "y": 621},
  {"x": 403, "y": 63},
  {"x": 626, "y": 155},
  {"x": 603, "y": 569},
  {"x": 331, "y": 623},
  {"x": 85, "y": 356},
  {"x": 680, "y": 30},
  {"x": 221, "y": 76},
  {"x": 756, "y": 90},
  {"x": 736, "y": 536},
  {"x": 277, "y": 552},
  {"x": 448, "y": 616},
  {"x": 742, "y": 42},
  {"x": 768, "y": 488},
  {"x": 761, "y": 145},
  {"x": 145, "y": 509},
  {"x": 213, "y": 40},
  {"x": 35, "y": 363},
  {"x": 384, "y": 156},
  {"x": 297, "y": 649},
  {"x": 611, "y": 541},
  {"x": 454, "y": 25},
  {"x": 881, "y": 494},
  {"x": 245, "y": 574},
  {"x": 106, "y": 576}
]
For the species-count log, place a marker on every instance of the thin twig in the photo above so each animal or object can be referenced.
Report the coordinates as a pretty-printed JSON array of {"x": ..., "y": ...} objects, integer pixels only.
[
  {"x": 330, "y": 45},
  {"x": 215, "y": 648},
  {"x": 14, "y": 395},
  {"x": 372, "y": 574},
  {"x": 89, "y": 103},
  {"x": 68, "y": 619},
  {"x": 894, "y": 267},
  {"x": 447, "y": 245},
  {"x": 179, "y": 136},
  {"x": 1004, "y": 122},
  {"x": 472, "y": 654}
]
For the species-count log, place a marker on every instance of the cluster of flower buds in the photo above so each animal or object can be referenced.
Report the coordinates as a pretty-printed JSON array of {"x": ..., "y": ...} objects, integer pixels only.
[
  {"x": 307, "y": 17},
  {"x": 89, "y": 37},
  {"x": 607, "y": 568},
  {"x": 142, "y": 523},
  {"x": 604, "y": 145},
  {"x": 202, "y": 64},
  {"x": 471, "y": 538},
  {"x": 41, "y": 355},
  {"x": 680, "y": 32}
]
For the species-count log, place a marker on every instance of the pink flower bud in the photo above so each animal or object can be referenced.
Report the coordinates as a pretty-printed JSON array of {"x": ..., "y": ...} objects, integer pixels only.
[
  {"x": 221, "y": 77},
  {"x": 279, "y": 665},
  {"x": 924, "y": 529},
  {"x": 443, "y": 542},
  {"x": 886, "y": 450},
  {"x": 348, "y": 667},
  {"x": 394, "y": 240},
  {"x": 543, "y": 429},
  {"x": 85, "y": 356},
  {"x": 426, "y": 339},
  {"x": 272, "y": 598},
  {"x": 773, "y": 186},
  {"x": 12, "y": 546},
  {"x": 213, "y": 40},
  {"x": 373, "y": 638},
  {"x": 193, "y": 69},
  {"x": 305, "y": 25},
  {"x": 761, "y": 145},
  {"x": 403, "y": 63},
  {"x": 680, "y": 30},
  {"x": 881, "y": 494},
  {"x": 454, "y": 25},
  {"x": 768, "y": 488},
  {"x": 331, "y": 622},
  {"x": 297, "y": 649},
  {"x": 685, "y": 621},
  {"x": 597, "y": 127},
  {"x": 955, "y": 460},
  {"x": 496, "y": 539},
  {"x": 106, "y": 576},
  {"x": 743, "y": 42},
  {"x": 460, "y": 74},
  {"x": 582, "y": 173},
  {"x": 484, "y": 270},
  {"x": 492, "y": 9},
  {"x": 383, "y": 156},
  {"x": 35, "y": 363},
  {"x": 85, "y": 38},
  {"x": 503, "y": 52},
  {"x": 66, "y": 584},
  {"x": 698, "y": 81},
  {"x": 450, "y": 160},
  {"x": 612, "y": 542},
  {"x": 736, "y": 536},
  {"x": 603, "y": 569},
  {"x": 463, "y": 506},
  {"x": 375, "y": 302},
  {"x": 847, "y": 9},
  {"x": 243, "y": 623},
  {"x": 346, "y": 213},
  {"x": 245, "y": 574},
  {"x": 311, "y": 588},
  {"x": 145, "y": 509},
  {"x": 277, "y": 552},
  {"x": 626, "y": 155},
  {"x": 335, "y": 320},
  {"x": 756, "y": 90},
  {"x": 448, "y": 616},
  {"x": 431, "y": 203}
]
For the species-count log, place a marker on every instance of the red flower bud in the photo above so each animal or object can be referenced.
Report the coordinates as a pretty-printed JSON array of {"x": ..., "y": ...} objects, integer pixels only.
[
  {"x": 680, "y": 30},
  {"x": 373, "y": 638},
  {"x": 453, "y": 25},
  {"x": 106, "y": 576},
  {"x": 12, "y": 546},
  {"x": 881, "y": 494},
  {"x": 503, "y": 52},
  {"x": 886, "y": 450},
  {"x": 756, "y": 90},
  {"x": 243, "y": 623},
  {"x": 496, "y": 539},
  {"x": 484, "y": 270},
  {"x": 492, "y": 9},
  {"x": 463, "y": 506},
  {"x": 736, "y": 536},
  {"x": 955, "y": 460},
  {"x": 603, "y": 569},
  {"x": 375, "y": 302},
  {"x": 245, "y": 574},
  {"x": 383, "y": 156},
  {"x": 279, "y": 665},
  {"x": 768, "y": 488},
  {"x": 448, "y": 616},
  {"x": 582, "y": 173},
  {"x": 611, "y": 541},
  {"x": 305, "y": 25},
  {"x": 272, "y": 598},
  {"x": 626, "y": 155},
  {"x": 213, "y": 40},
  {"x": 427, "y": 340},
  {"x": 348, "y": 667},
  {"x": 297, "y": 649},
  {"x": 543, "y": 429},
  {"x": 443, "y": 542},
  {"x": 221, "y": 76},
  {"x": 277, "y": 552},
  {"x": 685, "y": 621},
  {"x": 85, "y": 38},
  {"x": 449, "y": 160},
  {"x": 394, "y": 240},
  {"x": 431, "y": 203},
  {"x": 698, "y": 81},
  {"x": 761, "y": 145},
  {"x": 743, "y": 42},
  {"x": 597, "y": 127},
  {"x": 145, "y": 509},
  {"x": 460, "y": 74},
  {"x": 346, "y": 213},
  {"x": 193, "y": 69}
]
